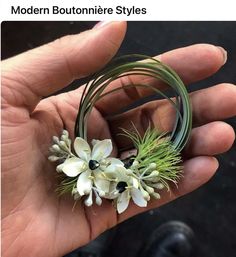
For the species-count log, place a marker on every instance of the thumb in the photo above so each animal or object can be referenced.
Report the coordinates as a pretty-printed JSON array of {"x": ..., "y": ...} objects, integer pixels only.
[{"x": 37, "y": 73}]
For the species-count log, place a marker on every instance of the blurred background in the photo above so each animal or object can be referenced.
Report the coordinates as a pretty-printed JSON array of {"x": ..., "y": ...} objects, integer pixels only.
[{"x": 211, "y": 210}]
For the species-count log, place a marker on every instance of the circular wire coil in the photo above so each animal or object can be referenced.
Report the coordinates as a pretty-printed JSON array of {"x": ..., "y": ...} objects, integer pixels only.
[{"x": 150, "y": 67}]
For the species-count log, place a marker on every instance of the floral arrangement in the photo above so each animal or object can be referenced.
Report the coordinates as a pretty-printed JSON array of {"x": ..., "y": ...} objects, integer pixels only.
[{"x": 90, "y": 174}]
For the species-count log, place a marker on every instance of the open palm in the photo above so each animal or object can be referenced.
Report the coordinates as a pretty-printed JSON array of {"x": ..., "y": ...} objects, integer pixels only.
[{"x": 35, "y": 221}]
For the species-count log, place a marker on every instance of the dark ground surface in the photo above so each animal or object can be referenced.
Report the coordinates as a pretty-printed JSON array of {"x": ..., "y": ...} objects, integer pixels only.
[{"x": 211, "y": 210}]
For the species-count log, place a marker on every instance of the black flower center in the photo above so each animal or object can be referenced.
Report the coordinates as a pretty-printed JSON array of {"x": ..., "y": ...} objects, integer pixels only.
[
  {"x": 93, "y": 165},
  {"x": 121, "y": 186},
  {"x": 128, "y": 161}
]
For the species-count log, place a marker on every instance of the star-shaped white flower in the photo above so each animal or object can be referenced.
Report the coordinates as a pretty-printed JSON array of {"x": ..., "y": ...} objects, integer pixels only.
[
  {"x": 90, "y": 167},
  {"x": 125, "y": 188}
]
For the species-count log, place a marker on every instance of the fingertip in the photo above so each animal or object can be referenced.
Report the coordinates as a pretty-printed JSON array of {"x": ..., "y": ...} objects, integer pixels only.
[
  {"x": 215, "y": 162},
  {"x": 112, "y": 30},
  {"x": 114, "y": 33},
  {"x": 103, "y": 24},
  {"x": 89, "y": 51},
  {"x": 102, "y": 44},
  {"x": 214, "y": 58},
  {"x": 195, "y": 62},
  {"x": 224, "y": 54},
  {"x": 214, "y": 55},
  {"x": 206, "y": 165},
  {"x": 227, "y": 91},
  {"x": 223, "y": 137},
  {"x": 210, "y": 139},
  {"x": 228, "y": 136},
  {"x": 197, "y": 171}
]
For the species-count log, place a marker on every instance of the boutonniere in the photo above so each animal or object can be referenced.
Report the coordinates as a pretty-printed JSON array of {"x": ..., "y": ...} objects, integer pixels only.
[{"x": 88, "y": 171}]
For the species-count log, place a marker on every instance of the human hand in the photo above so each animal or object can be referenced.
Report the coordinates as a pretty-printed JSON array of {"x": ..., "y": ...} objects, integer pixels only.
[{"x": 35, "y": 220}]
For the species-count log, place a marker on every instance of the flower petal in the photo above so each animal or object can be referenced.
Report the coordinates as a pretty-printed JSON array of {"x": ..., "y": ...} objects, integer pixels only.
[
  {"x": 89, "y": 201},
  {"x": 100, "y": 182},
  {"x": 122, "y": 173},
  {"x": 84, "y": 183},
  {"x": 72, "y": 167},
  {"x": 98, "y": 200},
  {"x": 135, "y": 182},
  {"x": 82, "y": 148},
  {"x": 137, "y": 197},
  {"x": 123, "y": 201},
  {"x": 113, "y": 193},
  {"x": 114, "y": 161},
  {"x": 94, "y": 141},
  {"x": 109, "y": 166},
  {"x": 101, "y": 150},
  {"x": 117, "y": 172}
]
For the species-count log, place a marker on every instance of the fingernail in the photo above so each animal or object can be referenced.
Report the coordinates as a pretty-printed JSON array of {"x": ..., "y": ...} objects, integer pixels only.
[
  {"x": 216, "y": 162},
  {"x": 224, "y": 54},
  {"x": 101, "y": 24}
]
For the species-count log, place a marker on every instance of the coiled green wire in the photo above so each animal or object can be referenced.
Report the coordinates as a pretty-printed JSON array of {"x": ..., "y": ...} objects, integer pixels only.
[{"x": 94, "y": 91}]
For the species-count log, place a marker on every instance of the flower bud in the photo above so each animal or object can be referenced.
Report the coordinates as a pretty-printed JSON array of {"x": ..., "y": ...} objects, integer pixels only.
[
  {"x": 152, "y": 166},
  {"x": 63, "y": 146},
  {"x": 155, "y": 173},
  {"x": 68, "y": 142},
  {"x": 89, "y": 200},
  {"x": 156, "y": 195},
  {"x": 62, "y": 143},
  {"x": 65, "y": 133},
  {"x": 53, "y": 158},
  {"x": 159, "y": 186},
  {"x": 145, "y": 194},
  {"x": 56, "y": 148},
  {"x": 98, "y": 200},
  {"x": 64, "y": 138},
  {"x": 150, "y": 190},
  {"x": 135, "y": 164},
  {"x": 55, "y": 139}
]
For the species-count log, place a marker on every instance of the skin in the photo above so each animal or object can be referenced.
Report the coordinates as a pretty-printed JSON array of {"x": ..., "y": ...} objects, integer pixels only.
[{"x": 34, "y": 220}]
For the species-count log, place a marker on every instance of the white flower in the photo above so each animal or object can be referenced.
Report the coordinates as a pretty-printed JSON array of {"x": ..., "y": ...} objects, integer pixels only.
[
  {"x": 94, "y": 175},
  {"x": 90, "y": 167},
  {"x": 125, "y": 188}
]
